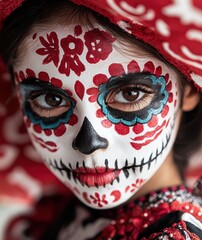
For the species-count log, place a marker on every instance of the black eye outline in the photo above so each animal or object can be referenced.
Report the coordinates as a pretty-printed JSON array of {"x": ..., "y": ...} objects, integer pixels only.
[
  {"x": 39, "y": 108},
  {"x": 30, "y": 89},
  {"x": 142, "y": 98},
  {"x": 160, "y": 98}
]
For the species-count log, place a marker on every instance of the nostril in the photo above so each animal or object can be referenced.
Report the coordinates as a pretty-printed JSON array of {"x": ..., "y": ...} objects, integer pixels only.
[{"x": 88, "y": 141}]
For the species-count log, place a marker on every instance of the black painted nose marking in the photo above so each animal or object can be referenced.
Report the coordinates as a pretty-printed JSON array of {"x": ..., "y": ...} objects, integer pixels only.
[{"x": 88, "y": 141}]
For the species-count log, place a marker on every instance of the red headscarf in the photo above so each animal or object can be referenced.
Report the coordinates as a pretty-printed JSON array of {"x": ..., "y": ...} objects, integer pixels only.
[{"x": 172, "y": 27}]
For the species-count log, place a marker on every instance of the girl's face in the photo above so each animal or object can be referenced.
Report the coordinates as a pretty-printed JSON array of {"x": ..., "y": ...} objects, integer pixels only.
[{"x": 103, "y": 119}]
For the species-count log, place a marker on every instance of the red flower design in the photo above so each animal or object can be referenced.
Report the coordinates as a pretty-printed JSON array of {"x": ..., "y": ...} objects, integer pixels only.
[
  {"x": 97, "y": 80},
  {"x": 51, "y": 48},
  {"x": 116, "y": 69},
  {"x": 72, "y": 47},
  {"x": 99, "y": 44},
  {"x": 43, "y": 76},
  {"x": 100, "y": 200},
  {"x": 138, "y": 183}
]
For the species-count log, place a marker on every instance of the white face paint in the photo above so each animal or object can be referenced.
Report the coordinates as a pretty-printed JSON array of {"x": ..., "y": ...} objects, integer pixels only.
[{"x": 103, "y": 121}]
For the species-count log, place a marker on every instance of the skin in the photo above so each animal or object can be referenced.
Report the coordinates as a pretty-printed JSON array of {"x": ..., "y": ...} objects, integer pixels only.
[{"x": 103, "y": 120}]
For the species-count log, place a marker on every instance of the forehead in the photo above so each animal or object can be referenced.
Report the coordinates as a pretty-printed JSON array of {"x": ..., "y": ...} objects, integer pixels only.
[{"x": 75, "y": 51}]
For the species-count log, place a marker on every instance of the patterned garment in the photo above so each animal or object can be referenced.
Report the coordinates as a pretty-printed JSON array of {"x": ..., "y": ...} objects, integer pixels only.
[{"x": 173, "y": 213}]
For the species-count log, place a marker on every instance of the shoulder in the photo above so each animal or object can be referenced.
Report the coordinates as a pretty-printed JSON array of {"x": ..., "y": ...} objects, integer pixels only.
[{"x": 175, "y": 225}]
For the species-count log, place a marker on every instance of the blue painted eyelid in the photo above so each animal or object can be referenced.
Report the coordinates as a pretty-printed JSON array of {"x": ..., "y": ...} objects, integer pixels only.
[{"x": 52, "y": 125}]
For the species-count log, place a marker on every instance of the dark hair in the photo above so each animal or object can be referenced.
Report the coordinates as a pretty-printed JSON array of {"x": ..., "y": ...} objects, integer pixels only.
[{"x": 18, "y": 24}]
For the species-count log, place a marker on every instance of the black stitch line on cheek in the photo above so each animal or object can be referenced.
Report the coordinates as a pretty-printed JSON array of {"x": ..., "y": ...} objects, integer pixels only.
[
  {"x": 106, "y": 164},
  {"x": 63, "y": 167},
  {"x": 150, "y": 161},
  {"x": 126, "y": 173},
  {"x": 70, "y": 166},
  {"x": 84, "y": 166},
  {"x": 126, "y": 163},
  {"x": 57, "y": 166},
  {"x": 116, "y": 165},
  {"x": 142, "y": 165}
]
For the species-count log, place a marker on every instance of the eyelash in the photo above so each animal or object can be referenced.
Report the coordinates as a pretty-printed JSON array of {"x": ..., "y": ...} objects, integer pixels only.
[
  {"x": 47, "y": 112},
  {"x": 144, "y": 97}
]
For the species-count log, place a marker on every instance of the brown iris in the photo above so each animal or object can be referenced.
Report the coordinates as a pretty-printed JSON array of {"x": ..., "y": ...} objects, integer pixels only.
[{"x": 129, "y": 98}]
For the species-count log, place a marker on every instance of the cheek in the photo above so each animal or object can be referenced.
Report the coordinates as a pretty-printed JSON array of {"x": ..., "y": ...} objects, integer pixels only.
[
  {"x": 140, "y": 136},
  {"x": 48, "y": 140}
]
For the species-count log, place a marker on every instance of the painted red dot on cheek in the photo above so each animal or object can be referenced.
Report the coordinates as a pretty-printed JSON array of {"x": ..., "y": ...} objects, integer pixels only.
[
  {"x": 73, "y": 120},
  {"x": 30, "y": 73},
  {"x": 99, "y": 113},
  {"x": 116, "y": 69},
  {"x": 59, "y": 131},
  {"x": 79, "y": 89},
  {"x": 44, "y": 76},
  {"x": 170, "y": 98},
  {"x": 165, "y": 111},
  {"x": 99, "y": 79},
  {"x": 21, "y": 75},
  {"x": 166, "y": 77},
  {"x": 133, "y": 67},
  {"x": 138, "y": 128},
  {"x": 153, "y": 122},
  {"x": 56, "y": 82},
  {"x": 78, "y": 30},
  {"x": 149, "y": 66},
  {"x": 48, "y": 132},
  {"x": 106, "y": 123},
  {"x": 122, "y": 129},
  {"x": 37, "y": 128},
  {"x": 158, "y": 71},
  {"x": 93, "y": 92},
  {"x": 34, "y": 36},
  {"x": 169, "y": 86}
]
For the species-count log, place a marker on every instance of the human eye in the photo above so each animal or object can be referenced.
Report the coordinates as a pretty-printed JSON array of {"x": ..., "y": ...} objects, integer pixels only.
[
  {"x": 49, "y": 104},
  {"x": 133, "y": 98},
  {"x": 45, "y": 104},
  {"x": 130, "y": 98}
]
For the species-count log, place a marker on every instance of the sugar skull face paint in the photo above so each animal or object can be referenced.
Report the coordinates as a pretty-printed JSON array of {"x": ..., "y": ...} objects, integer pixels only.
[{"x": 103, "y": 120}]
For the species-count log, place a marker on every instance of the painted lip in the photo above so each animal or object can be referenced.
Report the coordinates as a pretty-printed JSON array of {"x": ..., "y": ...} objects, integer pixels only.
[{"x": 94, "y": 177}]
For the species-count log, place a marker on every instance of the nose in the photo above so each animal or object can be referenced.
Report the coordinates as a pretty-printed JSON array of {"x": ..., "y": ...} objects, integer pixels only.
[{"x": 88, "y": 141}]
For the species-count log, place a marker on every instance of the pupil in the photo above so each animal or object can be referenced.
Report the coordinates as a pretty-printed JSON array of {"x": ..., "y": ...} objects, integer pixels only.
[
  {"x": 53, "y": 100},
  {"x": 130, "y": 95}
]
